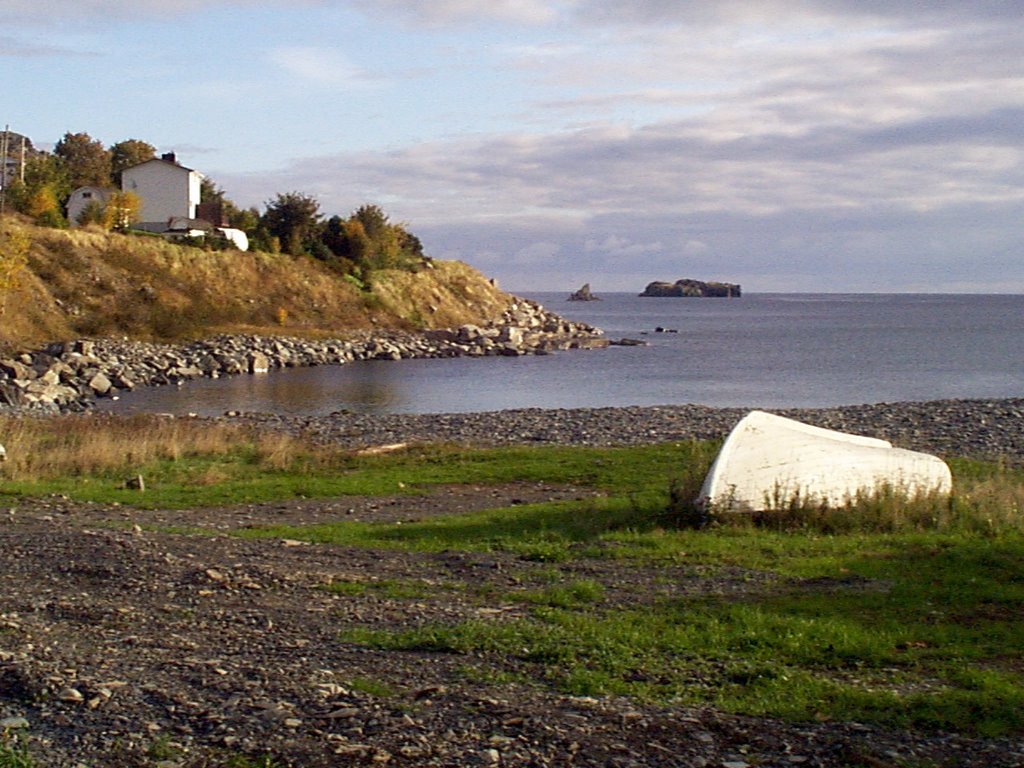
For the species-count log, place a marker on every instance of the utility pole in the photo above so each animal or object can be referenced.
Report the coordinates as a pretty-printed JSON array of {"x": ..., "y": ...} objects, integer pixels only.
[{"x": 3, "y": 170}]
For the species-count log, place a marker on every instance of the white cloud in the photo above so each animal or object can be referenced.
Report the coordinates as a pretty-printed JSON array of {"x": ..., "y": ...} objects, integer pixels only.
[
  {"x": 324, "y": 66},
  {"x": 448, "y": 11}
]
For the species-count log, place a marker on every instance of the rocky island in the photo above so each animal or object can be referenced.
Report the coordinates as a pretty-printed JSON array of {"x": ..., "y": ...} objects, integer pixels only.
[
  {"x": 583, "y": 294},
  {"x": 687, "y": 288}
]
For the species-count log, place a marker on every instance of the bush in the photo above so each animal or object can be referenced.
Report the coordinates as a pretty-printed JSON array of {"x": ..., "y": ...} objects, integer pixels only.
[{"x": 683, "y": 511}]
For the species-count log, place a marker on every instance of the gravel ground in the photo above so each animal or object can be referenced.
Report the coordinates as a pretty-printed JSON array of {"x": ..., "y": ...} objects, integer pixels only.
[
  {"x": 945, "y": 427},
  {"x": 123, "y": 644}
]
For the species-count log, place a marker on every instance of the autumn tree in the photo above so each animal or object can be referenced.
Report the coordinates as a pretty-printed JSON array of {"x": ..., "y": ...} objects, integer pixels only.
[
  {"x": 43, "y": 206},
  {"x": 86, "y": 161},
  {"x": 45, "y": 174},
  {"x": 128, "y": 153},
  {"x": 122, "y": 211},
  {"x": 369, "y": 240}
]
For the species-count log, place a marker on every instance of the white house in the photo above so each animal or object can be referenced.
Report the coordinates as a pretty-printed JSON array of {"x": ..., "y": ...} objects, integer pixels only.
[
  {"x": 166, "y": 189},
  {"x": 82, "y": 197}
]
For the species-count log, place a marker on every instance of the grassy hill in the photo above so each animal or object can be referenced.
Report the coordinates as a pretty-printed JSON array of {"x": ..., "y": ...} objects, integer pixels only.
[{"x": 93, "y": 283}]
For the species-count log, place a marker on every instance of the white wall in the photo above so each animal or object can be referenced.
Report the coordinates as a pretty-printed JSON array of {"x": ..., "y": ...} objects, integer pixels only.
[
  {"x": 165, "y": 189},
  {"x": 81, "y": 198}
]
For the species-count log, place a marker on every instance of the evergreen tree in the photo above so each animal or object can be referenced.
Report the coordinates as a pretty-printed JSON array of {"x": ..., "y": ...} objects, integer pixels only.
[{"x": 294, "y": 219}]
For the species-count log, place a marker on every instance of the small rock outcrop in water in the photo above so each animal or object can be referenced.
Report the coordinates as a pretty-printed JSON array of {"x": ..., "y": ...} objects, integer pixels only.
[
  {"x": 687, "y": 287},
  {"x": 584, "y": 294}
]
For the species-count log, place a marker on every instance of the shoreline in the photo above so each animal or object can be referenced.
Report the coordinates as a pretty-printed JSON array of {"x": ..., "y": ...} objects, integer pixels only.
[
  {"x": 71, "y": 375},
  {"x": 990, "y": 428}
]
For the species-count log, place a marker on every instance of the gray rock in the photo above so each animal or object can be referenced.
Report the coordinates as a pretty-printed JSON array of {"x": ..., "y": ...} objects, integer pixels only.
[
  {"x": 258, "y": 362},
  {"x": 469, "y": 333},
  {"x": 16, "y": 370},
  {"x": 100, "y": 384}
]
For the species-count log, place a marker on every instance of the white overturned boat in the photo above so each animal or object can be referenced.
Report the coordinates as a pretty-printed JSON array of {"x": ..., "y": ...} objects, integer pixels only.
[{"x": 768, "y": 461}]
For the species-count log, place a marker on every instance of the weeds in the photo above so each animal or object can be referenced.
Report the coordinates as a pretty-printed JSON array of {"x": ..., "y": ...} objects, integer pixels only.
[
  {"x": 13, "y": 751},
  {"x": 372, "y": 687}
]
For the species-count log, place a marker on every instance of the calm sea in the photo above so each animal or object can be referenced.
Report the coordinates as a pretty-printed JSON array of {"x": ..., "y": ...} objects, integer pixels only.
[{"x": 767, "y": 350}]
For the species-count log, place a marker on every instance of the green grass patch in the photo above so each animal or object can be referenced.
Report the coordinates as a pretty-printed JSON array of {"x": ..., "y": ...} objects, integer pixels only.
[
  {"x": 548, "y": 532},
  {"x": 373, "y": 687},
  {"x": 916, "y": 631},
  {"x": 575, "y": 594},
  {"x": 243, "y": 476}
]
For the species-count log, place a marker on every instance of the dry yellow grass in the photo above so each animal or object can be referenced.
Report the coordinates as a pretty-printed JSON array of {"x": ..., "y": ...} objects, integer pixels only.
[
  {"x": 40, "y": 449},
  {"x": 96, "y": 283},
  {"x": 449, "y": 294}
]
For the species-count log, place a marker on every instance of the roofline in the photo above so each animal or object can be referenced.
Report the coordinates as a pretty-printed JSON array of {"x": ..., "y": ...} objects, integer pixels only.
[{"x": 165, "y": 162}]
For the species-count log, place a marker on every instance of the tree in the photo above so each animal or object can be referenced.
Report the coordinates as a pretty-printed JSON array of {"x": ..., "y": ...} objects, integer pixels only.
[
  {"x": 42, "y": 206},
  {"x": 128, "y": 153},
  {"x": 93, "y": 213},
  {"x": 294, "y": 219},
  {"x": 87, "y": 161},
  {"x": 43, "y": 171},
  {"x": 122, "y": 211},
  {"x": 386, "y": 246},
  {"x": 212, "y": 195},
  {"x": 247, "y": 219}
]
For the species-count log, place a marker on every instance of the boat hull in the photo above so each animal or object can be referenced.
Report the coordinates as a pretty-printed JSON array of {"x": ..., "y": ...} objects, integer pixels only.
[{"x": 768, "y": 461}]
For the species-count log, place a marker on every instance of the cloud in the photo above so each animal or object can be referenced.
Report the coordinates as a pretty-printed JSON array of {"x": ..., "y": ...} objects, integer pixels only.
[
  {"x": 458, "y": 11},
  {"x": 695, "y": 197},
  {"x": 323, "y": 66},
  {"x": 818, "y": 145},
  {"x": 56, "y": 11},
  {"x": 698, "y": 12},
  {"x": 10, "y": 46}
]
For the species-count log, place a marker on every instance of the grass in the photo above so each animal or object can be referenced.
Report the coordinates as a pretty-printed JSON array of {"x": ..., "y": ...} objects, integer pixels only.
[
  {"x": 891, "y": 610},
  {"x": 193, "y": 293},
  {"x": 922, "y": 632},
  {"x": 13, "y": 752},
  {"x": 189, "y": 463}
]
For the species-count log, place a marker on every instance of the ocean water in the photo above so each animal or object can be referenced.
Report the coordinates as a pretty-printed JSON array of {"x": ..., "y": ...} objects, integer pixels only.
[{"x": 764, "y": 350}]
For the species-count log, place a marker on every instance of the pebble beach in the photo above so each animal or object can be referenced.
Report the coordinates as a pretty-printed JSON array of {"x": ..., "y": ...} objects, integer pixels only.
[{"x": 981, "y": 428}]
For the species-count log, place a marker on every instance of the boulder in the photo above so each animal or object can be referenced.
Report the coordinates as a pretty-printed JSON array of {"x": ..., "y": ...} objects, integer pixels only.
[
  {"x": 469, "y": 333},
  {"x": 258, "y": 362},
  {"x": 11, "y": 395},
  {"x": 15, "y": 369},
  {"x": 511, "y": 335},
  {"x": 100, "y": 384}
]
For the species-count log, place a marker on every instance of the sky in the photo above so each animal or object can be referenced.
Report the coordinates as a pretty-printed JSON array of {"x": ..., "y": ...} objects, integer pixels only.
[{"x": 794, "y": 146}]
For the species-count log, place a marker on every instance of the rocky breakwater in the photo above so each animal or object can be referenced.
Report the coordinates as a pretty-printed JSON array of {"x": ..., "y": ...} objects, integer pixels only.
[{"x": 69, "y": 375}]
